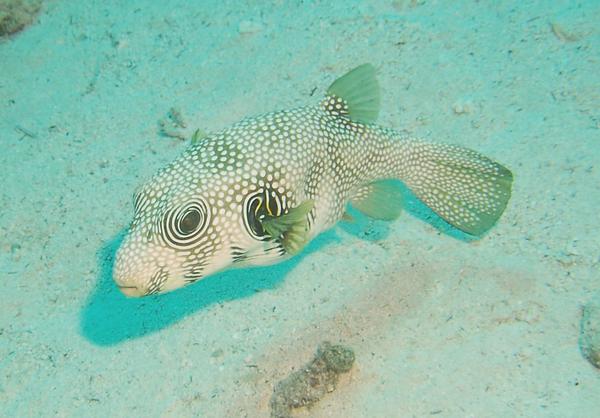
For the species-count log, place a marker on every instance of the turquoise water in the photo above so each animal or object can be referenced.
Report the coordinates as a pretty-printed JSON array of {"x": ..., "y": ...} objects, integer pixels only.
[{"x": 439, "y": 324}]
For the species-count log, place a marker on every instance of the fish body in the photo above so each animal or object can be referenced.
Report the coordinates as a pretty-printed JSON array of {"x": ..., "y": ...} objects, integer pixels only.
[{"x": 257, "y": 192}]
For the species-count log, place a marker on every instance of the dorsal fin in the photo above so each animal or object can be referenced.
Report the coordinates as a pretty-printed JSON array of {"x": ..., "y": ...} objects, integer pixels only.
[
  {"x": 198, "y": 136},
  {"x": 355, "y": 95}
]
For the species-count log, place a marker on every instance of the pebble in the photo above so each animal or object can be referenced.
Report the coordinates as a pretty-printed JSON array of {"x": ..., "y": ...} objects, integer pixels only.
[
  {"x": 462, "y": 107},
  {"x": 248, "y": 27}
]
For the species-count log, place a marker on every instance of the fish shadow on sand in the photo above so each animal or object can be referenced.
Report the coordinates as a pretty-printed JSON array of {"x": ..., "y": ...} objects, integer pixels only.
[{"x": 110, "y": 318}]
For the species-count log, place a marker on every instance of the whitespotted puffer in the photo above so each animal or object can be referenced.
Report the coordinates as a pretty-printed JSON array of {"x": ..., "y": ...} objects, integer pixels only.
[{"x": 257, "y": 192}]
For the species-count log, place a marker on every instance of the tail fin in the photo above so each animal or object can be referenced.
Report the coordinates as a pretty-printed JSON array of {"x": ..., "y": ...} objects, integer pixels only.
[{"x": 465, "y": 188}]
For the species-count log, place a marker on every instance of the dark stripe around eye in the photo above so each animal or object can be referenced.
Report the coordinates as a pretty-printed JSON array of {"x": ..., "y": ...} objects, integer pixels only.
[{"x": 184, "y": 227}]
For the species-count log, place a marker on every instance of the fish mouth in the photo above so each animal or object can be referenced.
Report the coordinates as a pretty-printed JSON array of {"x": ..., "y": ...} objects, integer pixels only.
[{"x": 131, "y": 291}]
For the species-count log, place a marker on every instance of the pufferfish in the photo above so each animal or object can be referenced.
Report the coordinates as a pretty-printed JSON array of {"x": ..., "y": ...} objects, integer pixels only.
[{"x": 257, "y": 192}]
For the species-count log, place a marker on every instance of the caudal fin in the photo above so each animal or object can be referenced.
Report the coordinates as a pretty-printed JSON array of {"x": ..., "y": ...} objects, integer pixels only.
[{"x": 465, "y": 188}]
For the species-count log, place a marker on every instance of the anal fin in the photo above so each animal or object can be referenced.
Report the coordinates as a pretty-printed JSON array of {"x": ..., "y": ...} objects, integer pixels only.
[{"x": 381, "y": 199}]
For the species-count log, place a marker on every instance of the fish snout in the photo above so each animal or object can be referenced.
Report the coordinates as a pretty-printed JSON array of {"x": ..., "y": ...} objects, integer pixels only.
[
  {"x": 132, "y": 291},
  {"x": 145, "y": 277},
  {"x": 132, "y": 274},
  {"x": 129, "y": 286},
  {"x": 141, "y": 268}
]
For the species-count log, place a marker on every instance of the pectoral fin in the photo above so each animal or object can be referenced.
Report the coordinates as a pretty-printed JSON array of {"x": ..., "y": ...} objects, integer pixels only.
[{"x": 291, "y": 228}]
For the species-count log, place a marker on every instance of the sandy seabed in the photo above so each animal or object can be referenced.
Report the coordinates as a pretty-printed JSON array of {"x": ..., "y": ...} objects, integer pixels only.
[{"x": 440, "y": 325}]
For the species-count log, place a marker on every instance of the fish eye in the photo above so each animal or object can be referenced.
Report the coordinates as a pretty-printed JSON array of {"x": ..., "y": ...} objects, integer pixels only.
[
  {"x": 185, "y": 225},
  {"x": 190, "y": 221},
  {"x": 257, "y": 205}
]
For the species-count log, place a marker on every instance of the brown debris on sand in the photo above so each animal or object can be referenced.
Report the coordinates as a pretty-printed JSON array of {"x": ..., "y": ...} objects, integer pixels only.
[
  {"x": 308, "y": 385},
  {"x": 16, "y": 14},
  {"x": 589, "y": 338}
]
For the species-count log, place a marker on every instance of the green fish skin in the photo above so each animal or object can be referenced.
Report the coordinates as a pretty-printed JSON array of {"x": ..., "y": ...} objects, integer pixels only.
[{"x": 256, "y": 193}]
